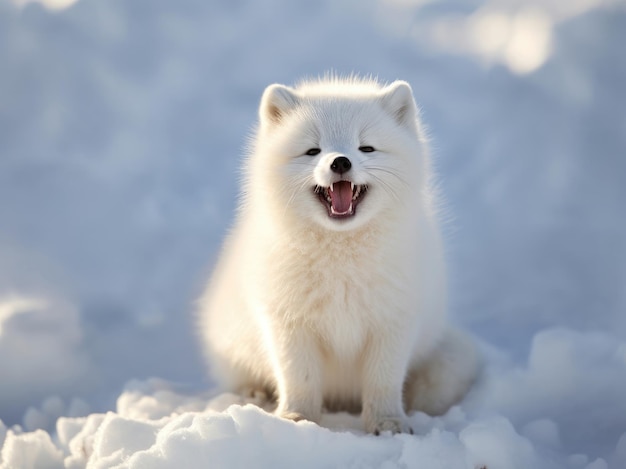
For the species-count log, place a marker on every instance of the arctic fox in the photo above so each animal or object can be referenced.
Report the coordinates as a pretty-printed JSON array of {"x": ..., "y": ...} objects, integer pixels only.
[{"x": 330, "y": 291}]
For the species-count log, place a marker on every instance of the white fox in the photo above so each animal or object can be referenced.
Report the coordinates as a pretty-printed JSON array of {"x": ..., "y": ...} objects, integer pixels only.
[{"x": 330, "y": 290}]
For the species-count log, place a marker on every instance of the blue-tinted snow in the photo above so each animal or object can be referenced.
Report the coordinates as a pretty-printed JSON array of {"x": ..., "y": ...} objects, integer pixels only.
[{"x": 122, "y": 125}]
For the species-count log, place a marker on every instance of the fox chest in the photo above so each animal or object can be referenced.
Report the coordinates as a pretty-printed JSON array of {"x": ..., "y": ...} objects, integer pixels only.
[{"x": 342, "y": 305}]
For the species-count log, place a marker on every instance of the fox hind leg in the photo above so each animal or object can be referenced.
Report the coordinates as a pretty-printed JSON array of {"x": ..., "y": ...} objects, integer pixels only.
[{"x": 440, "y": 381}]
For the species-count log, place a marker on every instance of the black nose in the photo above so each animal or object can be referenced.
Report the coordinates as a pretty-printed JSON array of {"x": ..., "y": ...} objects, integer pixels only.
[{"x": 341, "y": 165}]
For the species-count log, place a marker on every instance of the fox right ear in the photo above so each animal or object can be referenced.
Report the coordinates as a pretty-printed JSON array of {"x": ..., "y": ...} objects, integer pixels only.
[
  {"x": 397, "y": 99},
  {"x": 277, "y": 100}
]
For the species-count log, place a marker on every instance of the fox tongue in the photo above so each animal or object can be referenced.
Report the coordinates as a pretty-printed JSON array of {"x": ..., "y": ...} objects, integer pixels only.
[{"x": 341, "y": 196}]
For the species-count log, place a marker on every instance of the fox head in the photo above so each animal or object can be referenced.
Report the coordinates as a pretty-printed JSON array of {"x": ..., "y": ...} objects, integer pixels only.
[{"x": 337, "y": 153}]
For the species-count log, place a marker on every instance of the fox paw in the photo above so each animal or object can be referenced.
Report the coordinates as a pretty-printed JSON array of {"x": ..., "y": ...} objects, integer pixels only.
[
  {"x": 295, "y": 416},
  {"x": 393, "y": 425},
  {"x": 298, "y": 414}
]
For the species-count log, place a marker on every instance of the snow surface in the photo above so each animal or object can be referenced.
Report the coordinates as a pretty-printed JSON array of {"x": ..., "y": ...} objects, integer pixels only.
[{"x": 122, "y": 125}]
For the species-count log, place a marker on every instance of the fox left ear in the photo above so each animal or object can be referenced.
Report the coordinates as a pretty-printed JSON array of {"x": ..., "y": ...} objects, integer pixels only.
[
  {"x": 277, "y": 101},
  {"x": 397, "y": 99}
]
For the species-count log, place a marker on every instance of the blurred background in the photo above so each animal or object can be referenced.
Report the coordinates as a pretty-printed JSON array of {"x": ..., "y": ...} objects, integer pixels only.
[{"x": 123, "y": 123}]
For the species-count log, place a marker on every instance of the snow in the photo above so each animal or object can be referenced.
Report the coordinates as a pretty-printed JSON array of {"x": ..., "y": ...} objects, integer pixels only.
[
  {"x": 154, "y": 426},
  {"x": 121, "y": 129}
]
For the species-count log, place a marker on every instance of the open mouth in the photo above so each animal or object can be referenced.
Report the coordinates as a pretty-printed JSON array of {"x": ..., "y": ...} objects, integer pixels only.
[{"x": 341, "y": 198}]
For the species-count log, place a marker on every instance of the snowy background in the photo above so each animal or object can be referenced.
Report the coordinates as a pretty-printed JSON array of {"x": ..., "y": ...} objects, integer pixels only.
[{"x": 122, "y": 124}]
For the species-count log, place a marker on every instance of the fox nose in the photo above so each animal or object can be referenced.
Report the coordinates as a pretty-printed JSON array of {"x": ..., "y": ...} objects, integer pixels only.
[{"x": 341, "y": 165}]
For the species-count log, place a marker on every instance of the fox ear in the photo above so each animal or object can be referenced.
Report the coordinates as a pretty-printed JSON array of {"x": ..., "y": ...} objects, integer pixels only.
[
  {"x": 397, "y": 99},
  {"x": 277, "y": 100}
]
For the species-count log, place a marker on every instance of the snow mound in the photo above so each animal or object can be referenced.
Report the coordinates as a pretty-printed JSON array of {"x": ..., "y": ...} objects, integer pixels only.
[
  {"x": 56, "y": 363},
  {"x": 566, "y": 399}
]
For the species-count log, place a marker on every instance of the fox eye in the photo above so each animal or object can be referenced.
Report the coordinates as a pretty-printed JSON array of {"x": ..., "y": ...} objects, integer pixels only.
[
  {"x": 313, "y": 151},
  {"x": 367, "y": 149}
]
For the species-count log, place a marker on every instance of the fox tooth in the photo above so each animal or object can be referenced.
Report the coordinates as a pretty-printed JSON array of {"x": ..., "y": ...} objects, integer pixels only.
[
  {"x": 351, "y": 186},
  {"x": 332, "y": 186}
]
